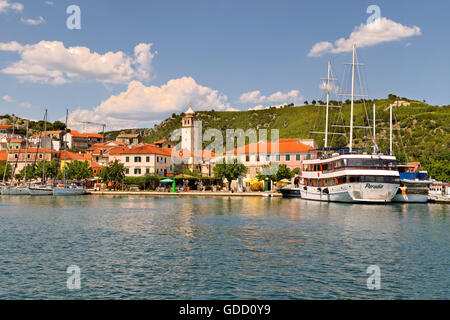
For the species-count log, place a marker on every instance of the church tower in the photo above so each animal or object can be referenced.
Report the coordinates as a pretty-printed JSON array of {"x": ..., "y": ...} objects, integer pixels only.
[{"x": 189, "y": 133}]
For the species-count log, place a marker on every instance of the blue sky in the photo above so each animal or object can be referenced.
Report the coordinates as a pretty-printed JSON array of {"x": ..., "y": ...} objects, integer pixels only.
[{"x": 209, "y": 54}]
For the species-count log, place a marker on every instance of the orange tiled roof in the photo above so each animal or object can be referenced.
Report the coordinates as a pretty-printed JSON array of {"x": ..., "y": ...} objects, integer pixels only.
[
  {"x": 146, "y": 149},
  {"x": 76, "y": 156},
  {"x": 284, "y": 146},
  {"x": 75, "y": 133},
  {"x": 5, "y": 127},
  {"x": 34, "y": 150}
]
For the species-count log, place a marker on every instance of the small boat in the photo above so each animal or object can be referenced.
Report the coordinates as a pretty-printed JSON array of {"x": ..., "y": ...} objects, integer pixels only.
[
  {"x": 291, "y": 192},
  {"x": 41, "y": 190},
  {"x": 65, "y": 189},
  {"x": 68, "y": 190},
  {"x": 414, "y": 184},
  {"x": 15, "y": 191}
]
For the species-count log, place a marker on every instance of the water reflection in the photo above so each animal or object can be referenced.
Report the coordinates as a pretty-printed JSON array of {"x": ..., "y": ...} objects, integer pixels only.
[{"x": 220, "y": 248}]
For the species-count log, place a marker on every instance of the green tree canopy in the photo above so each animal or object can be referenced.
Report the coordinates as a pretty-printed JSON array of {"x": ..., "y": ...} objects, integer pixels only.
[
  {"x": 231, "y": 171},
  {"x": 78, "y": 170},
  {"x": 114, "y": 172},
  {"x": 283, "y": 173}
]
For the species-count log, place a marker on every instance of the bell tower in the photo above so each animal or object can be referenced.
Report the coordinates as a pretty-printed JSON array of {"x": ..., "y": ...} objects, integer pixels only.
[{"x": 188, "y": 131}]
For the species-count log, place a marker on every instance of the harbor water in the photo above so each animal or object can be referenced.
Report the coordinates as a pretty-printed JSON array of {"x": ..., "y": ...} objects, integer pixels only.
[{"x": 168, "y": 247}]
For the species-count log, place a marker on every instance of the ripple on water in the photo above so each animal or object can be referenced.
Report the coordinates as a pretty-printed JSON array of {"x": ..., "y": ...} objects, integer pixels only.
[{"x": 220, "y": 248}]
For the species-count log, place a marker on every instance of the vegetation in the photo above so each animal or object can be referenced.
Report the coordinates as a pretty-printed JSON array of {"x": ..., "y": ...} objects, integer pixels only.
[
  {"x": 114, "y": 172},
  {"x": 78, "y": 170},
  {"x": 144, "y": 183},
  {"x": 230, "y": 171},
  {"x": 8, "y": 173},
  {"x": 283, "y": 173}
]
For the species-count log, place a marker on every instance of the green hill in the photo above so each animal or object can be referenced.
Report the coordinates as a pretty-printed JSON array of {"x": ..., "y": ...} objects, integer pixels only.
[{"x": 421, "y": 131}]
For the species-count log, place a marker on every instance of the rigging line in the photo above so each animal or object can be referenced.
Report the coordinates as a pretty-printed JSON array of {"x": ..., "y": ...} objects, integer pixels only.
[{"x": 400, "y": 135}]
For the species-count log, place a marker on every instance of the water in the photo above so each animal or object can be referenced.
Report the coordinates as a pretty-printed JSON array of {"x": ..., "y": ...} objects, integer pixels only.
[{"x": 220, "y": 248}]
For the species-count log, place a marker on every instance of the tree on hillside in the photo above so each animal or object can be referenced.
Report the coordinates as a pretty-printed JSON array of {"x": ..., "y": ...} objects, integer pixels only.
[
  {"x": 114, "y": 172},
  {"x": 230, "y": 171}
]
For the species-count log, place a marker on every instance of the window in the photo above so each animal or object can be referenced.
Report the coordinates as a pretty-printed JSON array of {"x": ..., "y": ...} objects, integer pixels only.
[
  {"x": 268, "y": 157},
  {"x": 165, "y": 160},
  {"x": 277, "y": 157},
  {"x": 137, "y": 159},
  {"x": 288, "y": 157},
  {"x": 147, "y": 170},
  {"x": 137, "y": 170},
  {"x": 247, "y": 158},
  {"x": 147, "y": 159},
  {"x": 127, "y": 171},
  {"x": 297, "y": 157},
  {"x": 127, "y": 159}
]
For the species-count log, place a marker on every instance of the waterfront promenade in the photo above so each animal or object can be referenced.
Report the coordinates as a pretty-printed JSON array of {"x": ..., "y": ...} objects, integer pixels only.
[{"x": 188, "y": 194}]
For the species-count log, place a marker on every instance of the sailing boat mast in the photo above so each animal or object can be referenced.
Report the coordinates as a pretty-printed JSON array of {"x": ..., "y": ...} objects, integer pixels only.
[
  {"x": 328, "y": 104},
  {"x": 390, "y": 130},
  {"x": 44, "y": 137},
  {"x": 26, "y": 157},
  {"x": 65, "y": 149},
  {"x": 352, "y": 99}
]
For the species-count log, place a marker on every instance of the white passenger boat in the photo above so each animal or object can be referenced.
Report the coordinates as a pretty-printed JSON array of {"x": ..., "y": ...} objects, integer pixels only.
[
  {"x": 346, "y": 176},
  {"x": 350, "y": 178}
]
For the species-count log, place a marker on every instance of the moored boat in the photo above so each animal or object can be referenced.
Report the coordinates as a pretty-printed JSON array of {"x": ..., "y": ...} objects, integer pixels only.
[
  {"x": 350, "y": 178},
  {"x": 15, "y": 191},
  {"x": 290, "y": 192},
  {"x": 414, "y": 184},
  {"x": 68, "y": 190},
  {"x": 41, "y": 190}
]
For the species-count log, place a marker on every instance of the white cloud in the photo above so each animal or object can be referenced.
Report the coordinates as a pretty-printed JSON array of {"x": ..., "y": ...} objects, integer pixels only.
[
  {"x": 50, "y": 3},
  {"x": 258, "y": 107},
  {"x": 25, "y": 105},
  {"x": 282, "y": 98},
  {"x": 8, "y": 98},
  {"x": 51, "y": 62},
  {"x": 365, "y": 35},
  {"x": 33, "y": 22},
  {"x": 21, "y": 104},
  {"x": 5, "y": 6},
  {"x": 140, "y": 106}
]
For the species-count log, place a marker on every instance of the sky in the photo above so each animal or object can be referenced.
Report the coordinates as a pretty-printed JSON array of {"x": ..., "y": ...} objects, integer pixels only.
[{"x": 133, "y": 63}]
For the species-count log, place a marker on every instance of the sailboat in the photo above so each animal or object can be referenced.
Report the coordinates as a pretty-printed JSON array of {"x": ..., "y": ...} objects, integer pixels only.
[
  {"x": 42, "y": 189},
  {"x": 349, "y": 177},
  {"x": 11, "y": 189},
  {"x": 67, "y": 189}
]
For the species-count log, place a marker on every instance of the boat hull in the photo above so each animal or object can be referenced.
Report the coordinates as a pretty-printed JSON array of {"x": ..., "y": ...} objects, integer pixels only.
[
  {"x": 291, "y": 192},
  {"x": 412, "y": 191},
  {"x": 352, "y": 193},
  {"x": 62, "y": 191},
  {"x": 15, "y": 191},
  {"x": 41, "y": 191}
]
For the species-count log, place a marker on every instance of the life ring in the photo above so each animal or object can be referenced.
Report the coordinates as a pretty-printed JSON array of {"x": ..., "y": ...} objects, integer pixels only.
[{"x": 180, "y": 153}]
